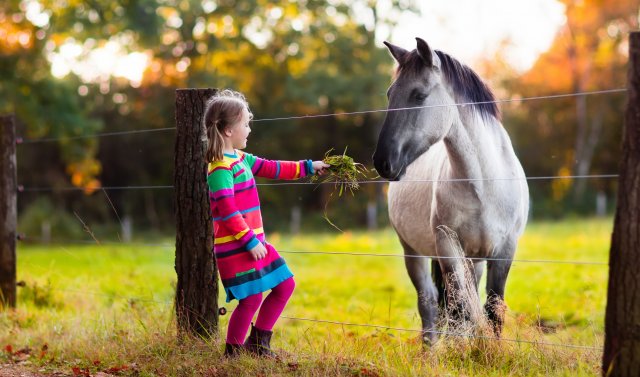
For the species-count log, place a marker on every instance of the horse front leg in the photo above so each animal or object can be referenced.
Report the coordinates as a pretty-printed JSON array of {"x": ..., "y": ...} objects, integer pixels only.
[
  {"x": 418, "y": 270},
  {"x": 497, "y": 272}
]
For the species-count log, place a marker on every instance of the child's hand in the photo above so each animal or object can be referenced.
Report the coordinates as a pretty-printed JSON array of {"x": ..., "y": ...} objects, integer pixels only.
[
  {"x": 320, "y": 167},
  {"x": 258, "y": 252}
]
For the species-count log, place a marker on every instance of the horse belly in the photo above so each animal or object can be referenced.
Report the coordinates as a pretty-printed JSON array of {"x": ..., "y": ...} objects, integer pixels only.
[{"x": 483, "y": 224}]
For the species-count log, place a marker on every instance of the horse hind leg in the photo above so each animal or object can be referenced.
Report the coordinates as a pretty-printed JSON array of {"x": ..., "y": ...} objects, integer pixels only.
[
  {"x": 478, "y": 269},
  {"x": 418, "y": 270},
  {"x": 497, "y": 272},
  {"x": 438, "y": 281}
]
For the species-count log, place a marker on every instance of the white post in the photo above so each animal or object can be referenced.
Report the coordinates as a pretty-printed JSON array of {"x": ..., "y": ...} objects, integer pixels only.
[
  {"x": 372, "y": 215},
  {"x": 601, "y": 204},
  {"x": 296, "y": 219},
  {"x": 45, "y": 228},
  {"x": 127, "y": 229}
]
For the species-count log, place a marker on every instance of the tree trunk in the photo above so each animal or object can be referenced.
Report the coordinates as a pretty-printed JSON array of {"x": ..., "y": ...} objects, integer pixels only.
[
  {"x": 583, "y": 150},
  {"x": 197, "y": 288},
  {"x": 584, "y": 156},
  {"x": 622, "y": 320},
  {"x": 8, "y": 212}
]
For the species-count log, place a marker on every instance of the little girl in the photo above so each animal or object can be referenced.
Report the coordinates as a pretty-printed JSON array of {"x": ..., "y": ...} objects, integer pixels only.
[{"x": 248, "y": 265}]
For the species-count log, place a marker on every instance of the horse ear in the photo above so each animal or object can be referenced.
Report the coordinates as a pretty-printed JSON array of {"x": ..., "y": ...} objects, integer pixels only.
[
  {"x": 426, "y": 54},
  {"x": 397, "y": 52}
]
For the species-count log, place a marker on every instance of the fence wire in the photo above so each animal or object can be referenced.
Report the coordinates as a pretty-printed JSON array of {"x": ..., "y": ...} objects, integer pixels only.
[
  {"x": 110, "y": 188},
  {"x": 352, "y": 324},
  {"x": 461, "y": 104},
  {"x": 42, "y": 241},
  {"x": 22, "y": 140},
  {"x": 21, "y": 188}
]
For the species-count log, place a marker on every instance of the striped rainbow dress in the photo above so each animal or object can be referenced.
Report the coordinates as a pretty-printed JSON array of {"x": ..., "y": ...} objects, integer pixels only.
[{"x": 237, "y": 221}]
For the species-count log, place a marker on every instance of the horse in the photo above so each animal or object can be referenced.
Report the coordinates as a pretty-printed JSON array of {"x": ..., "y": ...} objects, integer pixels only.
[{"x": 451, "y": 166}]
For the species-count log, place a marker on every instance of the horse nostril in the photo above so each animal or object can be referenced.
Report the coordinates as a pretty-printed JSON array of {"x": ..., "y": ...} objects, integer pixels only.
[
  {"x": 385, "y": 167},
  {"x": 382, "y": 165}
]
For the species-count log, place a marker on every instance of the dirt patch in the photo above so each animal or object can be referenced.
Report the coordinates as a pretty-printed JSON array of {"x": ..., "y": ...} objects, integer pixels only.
[{"x": 12, "y": 370}]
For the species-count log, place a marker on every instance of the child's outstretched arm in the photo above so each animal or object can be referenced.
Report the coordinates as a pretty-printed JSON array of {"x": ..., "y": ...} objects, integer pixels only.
[{"x": 274, "y": 169}]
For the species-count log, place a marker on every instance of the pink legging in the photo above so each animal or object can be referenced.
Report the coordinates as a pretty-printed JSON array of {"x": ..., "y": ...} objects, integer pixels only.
[{"x": 269, "y": 313}]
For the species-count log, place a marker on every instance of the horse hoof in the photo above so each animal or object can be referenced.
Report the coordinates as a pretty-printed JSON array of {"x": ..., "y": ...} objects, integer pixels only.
[{"x": 429, "y": 339}]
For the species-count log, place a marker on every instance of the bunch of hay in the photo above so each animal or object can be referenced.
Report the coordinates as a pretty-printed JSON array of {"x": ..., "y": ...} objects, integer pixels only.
[{"x": 343, "y": 171}]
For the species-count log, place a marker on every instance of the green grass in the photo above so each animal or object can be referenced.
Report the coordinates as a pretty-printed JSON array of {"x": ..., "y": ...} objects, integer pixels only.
[{"x": 104, "y": 306}]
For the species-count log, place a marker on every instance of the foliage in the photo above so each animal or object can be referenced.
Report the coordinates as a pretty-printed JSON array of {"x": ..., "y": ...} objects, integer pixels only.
[
  {"x": 44, "y": 106},
  {"x": 120, "y": 298},
  {"x": 42, "y": 212},
  {"x": 290, "y": 59},
  {"x": 581, "y": 135}
]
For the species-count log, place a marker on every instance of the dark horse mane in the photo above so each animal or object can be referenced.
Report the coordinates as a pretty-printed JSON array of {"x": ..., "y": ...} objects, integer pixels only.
[{"x": 465, "y": 82}]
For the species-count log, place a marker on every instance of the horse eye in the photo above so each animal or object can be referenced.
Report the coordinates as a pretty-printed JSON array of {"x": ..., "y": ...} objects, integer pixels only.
[{"x": 419, "y": 96}]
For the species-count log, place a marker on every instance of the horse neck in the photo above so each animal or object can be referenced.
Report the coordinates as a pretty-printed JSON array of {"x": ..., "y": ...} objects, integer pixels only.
[{"x": 468, "y": 145}]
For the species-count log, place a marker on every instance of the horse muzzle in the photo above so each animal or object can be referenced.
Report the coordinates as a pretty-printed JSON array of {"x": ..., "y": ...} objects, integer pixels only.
[{"x": 388, "y": 170}]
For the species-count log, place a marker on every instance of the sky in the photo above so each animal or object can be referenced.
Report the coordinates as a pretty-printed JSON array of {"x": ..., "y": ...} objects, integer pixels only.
[{"x": 470, "y": 29}]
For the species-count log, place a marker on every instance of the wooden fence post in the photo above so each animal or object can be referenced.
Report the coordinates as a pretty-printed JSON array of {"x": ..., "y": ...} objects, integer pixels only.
[
  {"x": 622, "y": 321},
  {"x": 8, "y": 212},
  {"x": 197, "y": 288}
]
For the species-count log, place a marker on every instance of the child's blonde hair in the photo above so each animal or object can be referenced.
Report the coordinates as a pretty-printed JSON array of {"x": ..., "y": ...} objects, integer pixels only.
[{"x": 223, "y": 110}]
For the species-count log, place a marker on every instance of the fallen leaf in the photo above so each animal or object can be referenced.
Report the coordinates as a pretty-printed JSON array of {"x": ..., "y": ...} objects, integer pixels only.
[
  {"x": 80, "y": 372},
  {"x": 20, "y": 357},
  {"x": 365, "y": 372},
  {"x": 43, "y": 351},
  {"x": 25, "y": 350},
  {"x": 116, "y": 370}
]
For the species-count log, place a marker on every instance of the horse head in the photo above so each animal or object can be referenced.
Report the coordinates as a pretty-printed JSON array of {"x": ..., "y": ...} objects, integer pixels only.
[{"x": 419, "y": 86}]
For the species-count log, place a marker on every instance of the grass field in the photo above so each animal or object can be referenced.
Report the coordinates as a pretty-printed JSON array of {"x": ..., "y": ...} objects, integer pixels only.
[{"x": 109, "y": 308}]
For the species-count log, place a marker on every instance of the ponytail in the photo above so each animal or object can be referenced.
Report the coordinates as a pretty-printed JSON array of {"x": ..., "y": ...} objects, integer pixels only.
[{"x": 215, "y": 145}]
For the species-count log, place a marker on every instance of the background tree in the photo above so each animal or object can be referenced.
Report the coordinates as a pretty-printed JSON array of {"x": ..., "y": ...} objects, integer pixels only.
[
  {"x": 575, "y": 136},
  {"x": 622, "y": 341},
  {"x": 44, "y": 106},
  {"x": 290, "y": 59}
]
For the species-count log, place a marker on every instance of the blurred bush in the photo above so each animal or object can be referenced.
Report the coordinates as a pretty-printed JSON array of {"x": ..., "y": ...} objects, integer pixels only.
[{"x": 42, "y": 213}]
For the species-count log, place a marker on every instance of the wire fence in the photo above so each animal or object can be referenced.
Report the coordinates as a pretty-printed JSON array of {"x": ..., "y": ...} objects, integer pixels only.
[
  {"x": 355, "y": 254},
  {"x": 363, "y": 325},
  {"x": 22, "y": 188},
  {"x": 341, "y": 323},
  {"x": 43, "y": 241},
  {"x": 91, "y": 136},
  {"x": 22, "y": 140}
]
